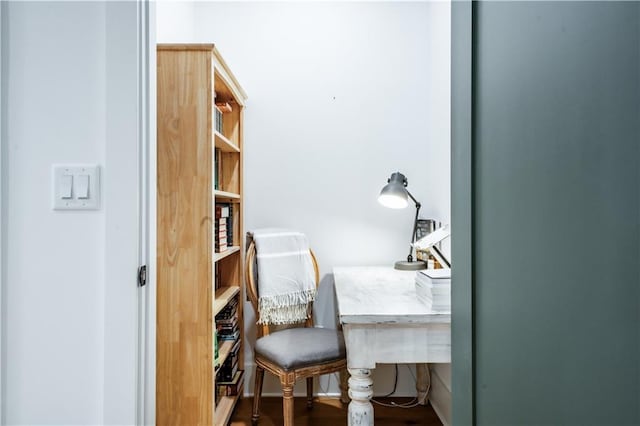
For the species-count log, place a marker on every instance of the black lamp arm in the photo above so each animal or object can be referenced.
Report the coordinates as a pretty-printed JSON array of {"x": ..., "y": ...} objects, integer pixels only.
[{"x": 415, "y": 227}]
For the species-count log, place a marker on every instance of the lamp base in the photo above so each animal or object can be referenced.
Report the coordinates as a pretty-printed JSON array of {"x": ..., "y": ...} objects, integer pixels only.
[{"x": 404, "y": 265}]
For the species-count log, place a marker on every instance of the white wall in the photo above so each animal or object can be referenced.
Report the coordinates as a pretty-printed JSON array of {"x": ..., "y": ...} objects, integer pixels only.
[
  {"x": 175, "y": 20},
  {"x": 340, "y": 96},
  {"x": 69, "y": 324}
]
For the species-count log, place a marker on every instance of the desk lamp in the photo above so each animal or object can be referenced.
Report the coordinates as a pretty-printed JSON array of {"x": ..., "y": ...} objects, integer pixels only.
[{"x": 395, "y": 195}]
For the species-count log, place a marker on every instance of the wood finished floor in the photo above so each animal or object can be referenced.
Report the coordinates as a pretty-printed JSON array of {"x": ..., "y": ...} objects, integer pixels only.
[{"x": 331, "y": 412}]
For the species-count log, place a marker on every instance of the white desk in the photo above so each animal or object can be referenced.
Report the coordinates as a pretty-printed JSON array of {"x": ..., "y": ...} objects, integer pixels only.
[{"x": 383, "y": 322}]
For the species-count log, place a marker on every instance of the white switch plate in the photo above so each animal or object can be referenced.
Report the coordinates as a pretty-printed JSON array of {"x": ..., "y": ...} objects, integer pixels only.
[{"x": 76, "y": 170}]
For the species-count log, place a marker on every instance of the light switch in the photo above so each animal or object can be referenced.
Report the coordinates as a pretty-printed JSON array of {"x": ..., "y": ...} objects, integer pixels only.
[
  {"x": 66, "y": 184},
  {"x": 82, "y": 187},
  {"x": 76, "y": 187}
]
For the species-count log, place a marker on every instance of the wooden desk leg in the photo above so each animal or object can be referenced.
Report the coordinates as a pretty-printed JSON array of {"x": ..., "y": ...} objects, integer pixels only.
[
  {"x": 360, "y": 392},
  {"x": 423, "y": 383}
]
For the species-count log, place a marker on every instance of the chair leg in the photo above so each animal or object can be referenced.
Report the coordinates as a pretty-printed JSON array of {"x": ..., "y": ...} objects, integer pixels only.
[
  {"x": 257, "y": 393},
  {"x": 287, "y": 404},
  {"x": 309, "y": 393},
  {"x": 344, "y": 386}
]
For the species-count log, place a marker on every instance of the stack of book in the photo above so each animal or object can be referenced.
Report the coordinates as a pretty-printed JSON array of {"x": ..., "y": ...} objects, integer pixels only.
[
  {"x": 229, "y": 379},
  {"x": 221, "y": 228},
  {"x": 433, "y": 288},
  {"x": 229, "y": 368},
  {"x": 227, "y": 321}
]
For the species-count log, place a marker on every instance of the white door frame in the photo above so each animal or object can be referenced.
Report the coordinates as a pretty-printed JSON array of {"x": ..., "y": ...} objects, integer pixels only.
[
  {"x": 124, "y": 192},
  {"x": 146, "y": 404},
  {"x": 2, "y": 216}
]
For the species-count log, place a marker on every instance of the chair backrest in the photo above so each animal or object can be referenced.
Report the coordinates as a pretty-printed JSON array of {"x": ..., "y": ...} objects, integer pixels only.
[{"x": 252, "y": 286}]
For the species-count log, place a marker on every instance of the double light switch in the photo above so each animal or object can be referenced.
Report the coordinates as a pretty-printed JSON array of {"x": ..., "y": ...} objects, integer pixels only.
[{"x": 76, "y": 187}]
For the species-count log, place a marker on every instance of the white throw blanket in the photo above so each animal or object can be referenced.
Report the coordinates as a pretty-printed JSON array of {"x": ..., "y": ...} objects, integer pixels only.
[{"x": 286, "y": 276}]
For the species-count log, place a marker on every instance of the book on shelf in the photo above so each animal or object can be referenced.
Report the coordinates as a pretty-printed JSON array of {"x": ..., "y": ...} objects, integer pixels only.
[
  {"x": 220, "y": 235},
  {"x": 221, "y": 227},
  {"x": 229, "y": 310},
  {"x": 227, "y": 328},
  {"x": 216, "y": 349},
  {"x": 230, "y": 224},
  {"x": 229, "y": 367},
  {"x": 220, "y": 245},
  {"x": 228, "y": 325},
  {"x": 236, "y": 347},
  {"x": 228, "y": 321},
  {"x": 230, "y": 337},
  {"x": 224, "y": 107},
  {"x": 222, "y": 210},
  {"x": 216, "y": 169},
  {"x": 228, "y": 316},
  {"x": 229, "y": 333},
  {"x": 218, "y": 118},
  {"x": 226, "y": 372},
  {"x": 232, "y": 387}
]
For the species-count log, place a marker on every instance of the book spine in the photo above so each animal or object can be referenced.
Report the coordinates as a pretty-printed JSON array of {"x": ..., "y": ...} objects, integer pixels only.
[
  {"x": 230, "y": 225},
  {"x": 218, "y": 119},
  {"x": 216, "y": 168}
]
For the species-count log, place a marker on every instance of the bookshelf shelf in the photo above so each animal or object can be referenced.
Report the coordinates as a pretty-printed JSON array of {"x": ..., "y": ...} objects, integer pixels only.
[
  {"x": 225, "y": 408},
  {"x": 223, "y": 296},
  {"x": 223, "y": 195},
  {"x": 224, "y": 144},
  {"x": 192, "y": 79},
  {"x": 228, "y": 252},
  {"x": 224, "y": 351}
]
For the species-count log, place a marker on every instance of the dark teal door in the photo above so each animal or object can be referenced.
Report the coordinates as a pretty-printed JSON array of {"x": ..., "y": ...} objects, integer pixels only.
[{"x": 546, "y": 213}]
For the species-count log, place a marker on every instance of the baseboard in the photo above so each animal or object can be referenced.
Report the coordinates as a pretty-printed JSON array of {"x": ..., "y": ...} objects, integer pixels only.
[{"x": 440, "y": 393}]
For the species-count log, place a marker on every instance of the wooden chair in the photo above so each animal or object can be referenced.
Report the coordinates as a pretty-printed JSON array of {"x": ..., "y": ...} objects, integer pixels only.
[{"x": 293, "y": 353}]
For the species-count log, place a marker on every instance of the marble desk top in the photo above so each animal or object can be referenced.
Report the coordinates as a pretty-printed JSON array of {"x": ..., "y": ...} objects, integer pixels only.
[{"x": 381, "y": 295}]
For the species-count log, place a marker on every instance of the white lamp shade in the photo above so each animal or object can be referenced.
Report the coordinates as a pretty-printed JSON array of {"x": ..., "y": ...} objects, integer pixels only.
[
  {"x": 393, "y": 201},
  {"x": 394, "y": 194}
]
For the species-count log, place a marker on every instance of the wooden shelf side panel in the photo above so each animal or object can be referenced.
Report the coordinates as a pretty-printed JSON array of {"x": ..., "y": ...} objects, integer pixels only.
[
  {"x": 184, "y": 342},
  {"x": 231, "y": 124},
  {"x": 239, "y": 229},
  {"x": 230, "y": 176}
]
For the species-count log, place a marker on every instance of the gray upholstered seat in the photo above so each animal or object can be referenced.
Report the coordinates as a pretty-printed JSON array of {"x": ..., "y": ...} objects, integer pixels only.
[{"x": 299, "y": 347}]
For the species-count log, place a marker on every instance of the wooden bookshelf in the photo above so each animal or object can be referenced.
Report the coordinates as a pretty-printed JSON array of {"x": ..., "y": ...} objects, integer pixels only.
[
  {"x": 223, "y": 297},
  {"x": 224, "y": 144},
  {"x": 225, "y": 409},
  {"x": 228, "y": 252},
  {"x": 224, "y": 195},
  {"x": 191, "y": 78}
]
